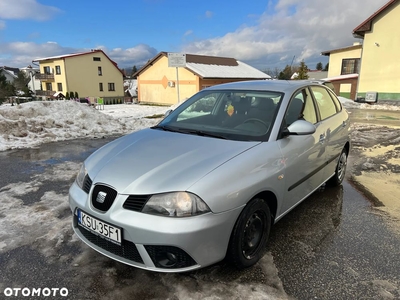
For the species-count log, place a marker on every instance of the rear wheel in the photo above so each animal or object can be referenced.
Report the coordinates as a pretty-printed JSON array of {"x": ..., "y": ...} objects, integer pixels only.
[
  {"x": 250, "y": 234},
  {"x": 340, "y": 171}
]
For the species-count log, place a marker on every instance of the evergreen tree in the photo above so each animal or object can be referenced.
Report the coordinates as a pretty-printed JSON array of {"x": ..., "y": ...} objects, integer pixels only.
[
  {"x": 319, "y": 66},
  {"x": 6, "y": 89},
  {"x": 21, "y": 83},
  {"x": 286, "y": 73},
  {"x": 326, "y": 67},
  {"x": 76, "y": 95},
  {"x": 67, "y": 95},
  {"x": 302, "y": 72},
  {"x": 71, "y": 95},
  {"x": 134, "y": 70}
]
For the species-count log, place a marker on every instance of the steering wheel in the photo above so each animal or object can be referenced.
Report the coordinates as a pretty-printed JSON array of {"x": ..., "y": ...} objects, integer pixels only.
[{"x": 254, "y": 120}]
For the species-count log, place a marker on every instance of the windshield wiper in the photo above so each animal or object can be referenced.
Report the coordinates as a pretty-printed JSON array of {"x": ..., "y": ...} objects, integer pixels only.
[
  {"x": 203, "y": 133},
  {"x": 165, "y": 128},
  {"x": 189, "y": 131}
]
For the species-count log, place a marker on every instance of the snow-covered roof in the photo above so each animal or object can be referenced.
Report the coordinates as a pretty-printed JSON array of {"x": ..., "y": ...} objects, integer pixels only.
[
  {"x": 241, "y": 70},
  {"x": 66, "y": 55},
  {"x": 213, "y": 67},
  {"x": 341, "y": 77}
]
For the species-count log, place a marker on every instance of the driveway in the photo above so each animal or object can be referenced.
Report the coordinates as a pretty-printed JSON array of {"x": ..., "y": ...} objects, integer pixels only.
[{"x": 335, "y": 245}]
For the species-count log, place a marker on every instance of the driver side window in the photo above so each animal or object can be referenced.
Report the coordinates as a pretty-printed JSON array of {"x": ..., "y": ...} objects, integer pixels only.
[{"x": 301, "y": 107}]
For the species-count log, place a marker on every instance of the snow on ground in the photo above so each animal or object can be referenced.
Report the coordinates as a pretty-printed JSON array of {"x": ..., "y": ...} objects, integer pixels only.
[{"x": 31, "y": 124}]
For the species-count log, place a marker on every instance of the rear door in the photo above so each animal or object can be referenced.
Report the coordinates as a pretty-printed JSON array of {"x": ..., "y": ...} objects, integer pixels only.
[{"x": 335, "y": 124}]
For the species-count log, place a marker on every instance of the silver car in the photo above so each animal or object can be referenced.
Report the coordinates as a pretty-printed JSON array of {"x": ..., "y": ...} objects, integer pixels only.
[{"x": 209, "y": 181}]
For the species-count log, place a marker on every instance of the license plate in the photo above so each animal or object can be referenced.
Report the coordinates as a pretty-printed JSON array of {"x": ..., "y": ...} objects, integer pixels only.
[{"x": 107, "y": 231}]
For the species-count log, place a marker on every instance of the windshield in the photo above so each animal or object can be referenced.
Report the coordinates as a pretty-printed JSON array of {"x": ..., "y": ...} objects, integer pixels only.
[{"x": 227, "y": 114}]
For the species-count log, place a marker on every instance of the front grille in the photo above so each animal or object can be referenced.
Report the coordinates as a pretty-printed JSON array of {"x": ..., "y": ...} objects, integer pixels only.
[
  {"x": 103, "y": 203},
  {"x": 158, "y": 256},
  {"x": 127, "y": 249},
  {"x": 87, "y": 184},
  {"x": 136, "y": 202}
]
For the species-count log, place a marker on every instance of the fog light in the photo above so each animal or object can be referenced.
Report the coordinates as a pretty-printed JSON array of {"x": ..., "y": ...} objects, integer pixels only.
[{"x": 167, "y": 259}]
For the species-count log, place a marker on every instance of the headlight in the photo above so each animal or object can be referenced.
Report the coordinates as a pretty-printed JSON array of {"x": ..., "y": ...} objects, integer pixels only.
[
  {"x": 81, "y": 176},
  {"x": 178, "y": 204}
]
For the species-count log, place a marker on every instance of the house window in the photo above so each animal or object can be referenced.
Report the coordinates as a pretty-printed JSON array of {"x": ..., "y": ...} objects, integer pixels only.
[
  {"x": 47, "y": 70},
  {"x": 350, "y": 66},
  {"x": 59, "y": 87},
  {"x": 99, "y": 71},
  {"x": 111, "y": 86},
  {"x": 101, "y": 86},
  {"x": 96, "y": 59},
  {"x": 58, "y": 70},
  {"x": 48, "y": 86}
]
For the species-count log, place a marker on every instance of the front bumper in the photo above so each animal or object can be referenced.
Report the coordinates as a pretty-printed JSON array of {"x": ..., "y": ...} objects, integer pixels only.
[{"x": 148, "y": 240}]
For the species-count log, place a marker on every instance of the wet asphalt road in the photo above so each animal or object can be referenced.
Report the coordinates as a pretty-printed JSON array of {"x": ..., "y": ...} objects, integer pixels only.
[{"x": 335, "y": 245}]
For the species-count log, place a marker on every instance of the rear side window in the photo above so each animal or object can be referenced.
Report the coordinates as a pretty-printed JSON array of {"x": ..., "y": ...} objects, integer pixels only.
[{"x": 326, "y": 106}]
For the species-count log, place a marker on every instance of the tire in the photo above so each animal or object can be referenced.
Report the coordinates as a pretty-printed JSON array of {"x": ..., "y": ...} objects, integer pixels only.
[
  {"x": 250, "y": 234},
  {"x": 340, "y": 170}
]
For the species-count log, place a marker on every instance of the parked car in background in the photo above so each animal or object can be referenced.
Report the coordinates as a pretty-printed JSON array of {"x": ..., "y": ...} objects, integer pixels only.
[{"x": 209, "y": 181}]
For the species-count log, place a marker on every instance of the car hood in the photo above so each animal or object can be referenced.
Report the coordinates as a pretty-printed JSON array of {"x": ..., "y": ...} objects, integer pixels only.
[{"x": 155, "y": 161}]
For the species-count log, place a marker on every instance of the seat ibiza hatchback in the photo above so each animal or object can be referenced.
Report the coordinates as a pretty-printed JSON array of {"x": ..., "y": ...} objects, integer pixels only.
[{"x": 212, "y": 177}]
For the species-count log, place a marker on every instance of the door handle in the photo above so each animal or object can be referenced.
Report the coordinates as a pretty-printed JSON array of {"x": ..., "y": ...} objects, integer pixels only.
[{"x": 322, "y": 138}]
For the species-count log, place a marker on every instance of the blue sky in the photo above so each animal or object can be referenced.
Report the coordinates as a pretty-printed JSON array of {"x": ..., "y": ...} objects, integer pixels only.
[{"x": 264, "y": 34}]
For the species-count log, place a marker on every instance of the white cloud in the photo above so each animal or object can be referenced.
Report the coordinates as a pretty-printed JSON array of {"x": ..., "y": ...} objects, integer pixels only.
[
  {"x": 24, "y": 52},
  {"x": 297, "y": 28},
  {"x": 209, "y": 14},
  {"x": 135, "y": 56},
  {"x": 26, "y": 9},
  {"x": 291, "y": 28}
]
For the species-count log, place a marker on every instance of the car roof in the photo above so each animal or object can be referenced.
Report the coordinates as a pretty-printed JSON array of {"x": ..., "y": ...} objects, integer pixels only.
[{"x": 263, "y": 85}]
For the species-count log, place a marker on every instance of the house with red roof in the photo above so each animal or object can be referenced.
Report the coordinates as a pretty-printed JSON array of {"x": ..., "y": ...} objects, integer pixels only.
[
  {"x": 374, "y": 64},
  {"x": 160, "y": 83}
]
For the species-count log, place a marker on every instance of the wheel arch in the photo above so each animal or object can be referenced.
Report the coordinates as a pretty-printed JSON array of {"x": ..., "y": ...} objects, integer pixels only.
[{"x": 271, "y": 200}]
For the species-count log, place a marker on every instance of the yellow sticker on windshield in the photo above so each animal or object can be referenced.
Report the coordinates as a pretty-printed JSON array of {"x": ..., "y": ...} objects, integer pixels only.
[{"x": 230, "y": 110}]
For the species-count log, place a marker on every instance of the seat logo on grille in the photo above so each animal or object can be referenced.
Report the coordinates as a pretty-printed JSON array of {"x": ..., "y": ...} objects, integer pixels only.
[{"x": 101, "y": 197}]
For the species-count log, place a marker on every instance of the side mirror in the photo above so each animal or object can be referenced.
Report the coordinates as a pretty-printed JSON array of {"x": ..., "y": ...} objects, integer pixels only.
[
  {"x": 168, "y": 112},
  {"x": 300, "y": 127}
]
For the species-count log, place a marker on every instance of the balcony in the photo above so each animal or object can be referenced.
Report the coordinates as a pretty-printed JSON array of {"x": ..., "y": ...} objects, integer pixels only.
[
  {"x": 45, "y": 93},
  {"x": 44, "y": 77}
]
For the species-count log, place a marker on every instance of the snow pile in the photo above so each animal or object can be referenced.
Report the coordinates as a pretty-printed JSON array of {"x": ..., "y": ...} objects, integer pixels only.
[
  {"x": 347, "y": 103},
  {"x": 34, "y": 123}
]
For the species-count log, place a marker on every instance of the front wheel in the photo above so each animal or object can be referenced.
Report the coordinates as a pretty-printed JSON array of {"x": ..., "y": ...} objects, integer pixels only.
[
  {"x": 250, "y": 234},
  {"x": 340, "y": 171}
]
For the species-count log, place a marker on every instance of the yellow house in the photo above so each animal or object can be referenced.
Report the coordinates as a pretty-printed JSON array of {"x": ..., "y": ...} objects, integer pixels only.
[
  {"x": 374, "y": 65},
  {"x": 90, "y": 74},
  {"x": 160, "y": 84},
  {"x": 344, "y": 66},
  {"x": 380, "y": 61}
]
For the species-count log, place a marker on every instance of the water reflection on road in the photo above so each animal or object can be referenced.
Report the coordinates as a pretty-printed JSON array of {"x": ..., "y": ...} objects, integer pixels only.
[{"x": 375, "y": 117}]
